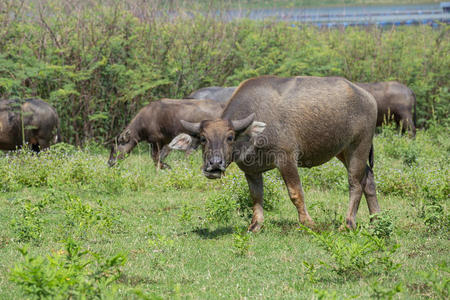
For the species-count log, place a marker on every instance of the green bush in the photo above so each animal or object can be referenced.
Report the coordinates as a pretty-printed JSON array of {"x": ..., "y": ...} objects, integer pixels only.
[
  {"x": 383, "y": 224},
  {"x": 356, "y": 253},
  {"x": 80, "y": 216},
  {"x": 69, "y": 273},
  {"x": 241, "y": 241},
  {"x": 220, "y": 208},
  {"x": 62, "y": 168},
  {"x": 102, "y": 61},
  {"x": 28, "y": 226}
]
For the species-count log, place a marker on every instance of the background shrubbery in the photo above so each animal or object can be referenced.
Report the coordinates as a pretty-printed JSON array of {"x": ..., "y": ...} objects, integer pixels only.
[{"x": 99, "y": 62}]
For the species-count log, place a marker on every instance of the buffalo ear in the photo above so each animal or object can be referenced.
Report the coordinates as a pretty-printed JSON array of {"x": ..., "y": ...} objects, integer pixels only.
[
  {"x": 255, "y": 129},
  {"x": 182, "y": 142}
]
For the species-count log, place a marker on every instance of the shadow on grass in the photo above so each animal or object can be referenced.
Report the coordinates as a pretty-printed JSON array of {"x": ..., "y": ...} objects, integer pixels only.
[
  {"x": 284, "y": 225},
  {"x": 288, "y": 226},
  {"x": 205, "y": 233}
]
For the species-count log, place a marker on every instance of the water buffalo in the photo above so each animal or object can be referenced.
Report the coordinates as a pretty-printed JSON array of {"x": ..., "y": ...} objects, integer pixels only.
[
  {"x": 34, "y": 118},
  {"x": 273, "y": 122},
  {"x": 158, "y": 123},
  {"x": 396, "y": 100},
  {"x": 221, "y": 94}
]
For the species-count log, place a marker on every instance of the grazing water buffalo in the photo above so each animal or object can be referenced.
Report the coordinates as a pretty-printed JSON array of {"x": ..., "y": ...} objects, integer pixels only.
[
  {"x": 272, "y": 122},
  {"x": 394, "y": 99},
  {"x": 158, "y": 123},
  {"x": 221, "y": 94},
  {"x": 34, "y": 118}
]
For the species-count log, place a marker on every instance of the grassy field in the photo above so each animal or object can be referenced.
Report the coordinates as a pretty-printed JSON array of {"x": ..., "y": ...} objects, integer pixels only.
[{"x": 73, "y": 228}]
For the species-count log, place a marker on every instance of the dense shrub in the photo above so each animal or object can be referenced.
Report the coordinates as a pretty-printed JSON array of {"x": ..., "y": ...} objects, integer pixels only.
[
  {"x": 99, "y": 62},
  {"x": 59, "y": 169},
  {"x": 72, "y": 272}
]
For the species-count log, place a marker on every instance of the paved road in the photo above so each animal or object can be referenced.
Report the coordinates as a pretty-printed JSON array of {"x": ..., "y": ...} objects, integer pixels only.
[{"x": 350, "y": 15}]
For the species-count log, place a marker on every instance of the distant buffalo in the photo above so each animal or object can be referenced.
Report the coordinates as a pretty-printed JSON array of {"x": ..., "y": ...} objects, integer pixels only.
[
  {"x": 158, "y": 123},
  {"x": 34, "y": 118},
  {"x": 394, "y": 100},
  {"x": 273, "y": 122},
  {"x": 221, "y": 94}
]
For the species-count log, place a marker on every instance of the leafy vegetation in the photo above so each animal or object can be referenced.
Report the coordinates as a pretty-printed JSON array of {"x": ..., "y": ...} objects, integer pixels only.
[
  {"x": 100, "y": 63},
  {"x": 71, "y": 272}
]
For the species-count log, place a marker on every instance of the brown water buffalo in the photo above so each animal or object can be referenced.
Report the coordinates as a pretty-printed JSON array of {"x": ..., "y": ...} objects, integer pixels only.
[
  {"x": 396, "y": 100},
  {"x": 221, "y": 94},
  {"x": 34, "y": 118},
  {"x": 273, "y": 122},
  {"x": 158, "y": 123}
]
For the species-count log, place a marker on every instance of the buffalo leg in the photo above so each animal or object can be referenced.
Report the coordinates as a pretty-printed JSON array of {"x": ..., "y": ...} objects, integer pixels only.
[
  {"x": 35, "y": 148},
  {"x": 43, "y": 143},
  {"x": 162, "y": 155},
  {"x": 359, "y": 181},
  {"x": 408, "y": 124},
  {"x": 291, "y": 178},
  {"x": 155, "y": 154},
  {"x": 368, "y": 185},
  {"x": 255, "y": 184},
  {"x": 370, "y": 192}
]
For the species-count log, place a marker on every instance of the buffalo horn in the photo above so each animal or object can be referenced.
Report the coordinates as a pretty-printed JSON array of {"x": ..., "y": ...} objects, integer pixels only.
[
  {"x": 239, "y": 125},
  {"x": 193, "y": 128}
]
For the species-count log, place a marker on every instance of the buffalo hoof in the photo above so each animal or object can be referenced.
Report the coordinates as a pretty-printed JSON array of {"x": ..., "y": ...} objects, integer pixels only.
[
  {"x": 308, "y": 222},
  {"x": 349, "y": 225},
  {"x": 163, "y": 166},
  {"x": 254, "y": 227}
]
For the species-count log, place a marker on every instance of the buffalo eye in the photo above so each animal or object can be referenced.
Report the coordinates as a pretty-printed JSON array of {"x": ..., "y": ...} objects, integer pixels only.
[
  {"x": 230, "y": 138},
  {"x": 202, "y": 140}
]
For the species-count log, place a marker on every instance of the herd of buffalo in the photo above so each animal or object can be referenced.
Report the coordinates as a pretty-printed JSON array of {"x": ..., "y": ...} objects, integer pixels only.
[{"x": 266, "y": 122}]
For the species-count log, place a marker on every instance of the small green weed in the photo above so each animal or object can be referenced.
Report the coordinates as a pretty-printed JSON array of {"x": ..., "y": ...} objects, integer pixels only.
[
  {"x": 399, "y": 146},
  {"x": 72, "y": 272},
  {"x": 241, "y": 241},
  {"x": 28, "y": 225},
  {"x": 158, "y": 242},
  {"x": 235, "y": 189},
  {"x": 434, "y": 216},
  {"x": 355, "y": 253},
  {"x": 325, "y": 294},
  {"x": 311, "y": 271},
  {"x": 439, "y": 280},
  {"x": 220, "y": 208},
  {"x": 383, "y": 224},
  {"x": 379, "y": 292},
  {"x": 186, "y": 214},
  {"x": 80, "y": 215}
]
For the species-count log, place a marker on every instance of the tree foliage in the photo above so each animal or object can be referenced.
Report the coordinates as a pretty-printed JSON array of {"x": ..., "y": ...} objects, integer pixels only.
[{"x": 99, "y": 62}]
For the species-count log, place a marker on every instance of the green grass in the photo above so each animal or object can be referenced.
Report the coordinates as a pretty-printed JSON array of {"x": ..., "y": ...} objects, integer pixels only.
[{"x": 175, "y": 247}]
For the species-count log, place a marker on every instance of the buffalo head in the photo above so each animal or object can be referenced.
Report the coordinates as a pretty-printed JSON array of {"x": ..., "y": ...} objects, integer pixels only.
[
  {"x": 217, "y": 139},
  {"x": 122, "y": 145}
]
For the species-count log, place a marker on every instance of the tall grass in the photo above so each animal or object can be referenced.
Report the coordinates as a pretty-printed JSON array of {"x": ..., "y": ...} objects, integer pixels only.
[{"x": 98, "y": 62}]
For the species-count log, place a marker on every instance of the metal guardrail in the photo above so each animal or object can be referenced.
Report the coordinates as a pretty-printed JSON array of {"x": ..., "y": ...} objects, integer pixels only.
[{"x": 384, "y": 15}]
